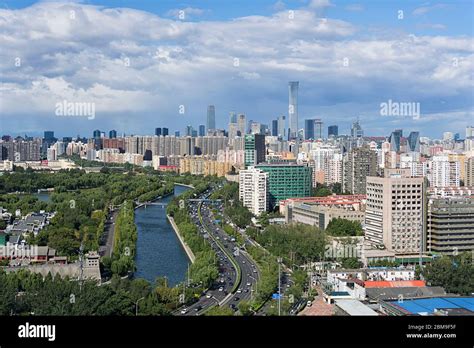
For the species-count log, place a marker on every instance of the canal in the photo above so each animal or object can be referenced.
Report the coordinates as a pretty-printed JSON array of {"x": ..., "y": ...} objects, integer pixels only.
[{"x": 159, "y": 252}]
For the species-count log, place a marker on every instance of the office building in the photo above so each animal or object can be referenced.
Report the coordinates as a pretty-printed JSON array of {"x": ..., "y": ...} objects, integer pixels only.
[
  {"x": 286, "y": 180},
  {"x": 211, "y": 117},
  {"x": 356, "y": 130},
  {"x": 357, "y": 165},
  {"x": 293, "y": 109},
  {"x": 395, "y": 140},
  {"x": 253, "y": 190},
  {"x": 395, "y": 212},
  {"x": 96, "y": 134},
  {"x": 414, "y": 142},
  {"x": 241, "y": 125},
  {"x": 158, "y": 131},
  {"x": 275, "y": 128},
  {"x": 320, "y": 211},
  {"x": 333, "y": 130},
  {"x": 318, "y": 129},
  {"x": 254, "y": 147},
  {"x": 202, "y": 130},
  {"x": 113, "y": 134},
  {"x": 282, "y": 127},
  {"x": 309, "y": 129},
  {"x": 450, "y": 224}
]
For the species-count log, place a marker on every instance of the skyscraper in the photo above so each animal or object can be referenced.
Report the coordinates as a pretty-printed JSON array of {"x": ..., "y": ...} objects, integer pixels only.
[
  {"x": 275, "y": 128},
  {"x": 293, "y": 109},
  {"x": 96, "y": 134},
  {"x": 254, "y": 147},
  {"x": 241, "y": 125},
  {"x": 333, "y": 130},
  {"x": 414, "y": 142},
  {"x": 202, "y": 130},
  {"x": 158, "y": 131},
  {"x": 211, "y": 117},
  {"x": 356, "y": 130},
  {"x": 165, "y": 131},
  {"x": 309, "y": 129},
  {"x": 282, "y": 126},
  {"x": 113, "y": 134},
  {"x": 395, "y": 140},
  {"x": 318, "y": 129},
  {"x": 189, "y": 130}
]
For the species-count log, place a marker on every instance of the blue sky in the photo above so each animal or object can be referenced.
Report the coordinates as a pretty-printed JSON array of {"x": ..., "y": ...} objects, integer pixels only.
[{"x": 138, "y": 62}]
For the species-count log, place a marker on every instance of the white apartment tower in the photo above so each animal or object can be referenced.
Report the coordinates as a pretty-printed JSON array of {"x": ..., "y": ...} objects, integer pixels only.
[
  {"x": 444, "y": 173},
  {"x": 253, "y": 190},
  {"x": 395, "y": 212}
]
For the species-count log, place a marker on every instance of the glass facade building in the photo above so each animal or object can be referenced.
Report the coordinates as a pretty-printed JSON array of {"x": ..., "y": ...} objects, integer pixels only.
[{"x": 286, "y": 180}]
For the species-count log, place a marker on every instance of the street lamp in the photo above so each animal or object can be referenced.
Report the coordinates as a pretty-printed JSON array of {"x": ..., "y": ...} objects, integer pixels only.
[
  {"x": 279, "y": 259},
  {"x": 136, "y": 305}
]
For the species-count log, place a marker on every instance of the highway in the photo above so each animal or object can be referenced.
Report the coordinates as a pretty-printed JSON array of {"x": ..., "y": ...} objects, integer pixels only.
[{"x": 224, "y": 292}]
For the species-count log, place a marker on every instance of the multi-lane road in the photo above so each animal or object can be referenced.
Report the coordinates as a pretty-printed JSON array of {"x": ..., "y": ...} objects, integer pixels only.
[{"x": 238, "y": 274}]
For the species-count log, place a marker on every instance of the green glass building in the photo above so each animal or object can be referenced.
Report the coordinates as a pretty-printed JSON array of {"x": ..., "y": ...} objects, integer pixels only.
[{"x": 286, "y": 180}]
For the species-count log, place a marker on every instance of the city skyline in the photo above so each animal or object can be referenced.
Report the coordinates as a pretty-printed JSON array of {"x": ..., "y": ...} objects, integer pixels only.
[{"x": 150, "y": 72}]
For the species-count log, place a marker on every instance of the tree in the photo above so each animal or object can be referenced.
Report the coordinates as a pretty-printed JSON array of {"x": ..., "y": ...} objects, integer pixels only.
[
  {"x": 343, "y": 228},
  {"x": 454, "y": 273}
]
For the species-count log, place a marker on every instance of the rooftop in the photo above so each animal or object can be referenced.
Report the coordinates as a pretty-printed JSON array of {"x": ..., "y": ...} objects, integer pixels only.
[
  {"x": 354, "y": 307},
  {"x": 430, "y": 305}
]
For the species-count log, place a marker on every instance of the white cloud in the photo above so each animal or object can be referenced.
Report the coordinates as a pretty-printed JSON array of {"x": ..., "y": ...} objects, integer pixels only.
[
  {"x": 132, "y": 61},
  {"x": 425, "y": 9}
]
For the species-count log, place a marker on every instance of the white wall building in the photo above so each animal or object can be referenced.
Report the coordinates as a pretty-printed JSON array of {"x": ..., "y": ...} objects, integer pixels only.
[{"x": 253, "y": 190}]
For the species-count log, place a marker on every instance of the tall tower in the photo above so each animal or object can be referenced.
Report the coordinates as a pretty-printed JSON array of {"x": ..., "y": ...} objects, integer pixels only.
[
  {"x": 293, "y": 109},
  {"x": 211, "y": 117}
]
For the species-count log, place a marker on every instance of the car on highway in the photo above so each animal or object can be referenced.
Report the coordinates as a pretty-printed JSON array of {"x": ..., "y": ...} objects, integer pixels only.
[
  {"x": 184, "y": 311},
  {"x": 221, "y": 289},
  {"x": 236, "y": 298},
  {"x": 239, "y": 291},
  {"x": 208, "y": 295}
]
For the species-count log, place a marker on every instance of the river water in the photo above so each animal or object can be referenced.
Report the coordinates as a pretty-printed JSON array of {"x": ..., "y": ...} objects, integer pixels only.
[{"x": 159, "y": 252}]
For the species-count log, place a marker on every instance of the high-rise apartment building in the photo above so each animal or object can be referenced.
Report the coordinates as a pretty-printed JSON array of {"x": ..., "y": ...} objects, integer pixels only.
[
  {"x": 444, "y": 172},
  {"x": 469, "y": 170},
  {"x": 395, "y": 212},
  {"x": 293, "y": 109},
  {"x": 253, "y": 190},
  {"x": 358, "y": 164}
]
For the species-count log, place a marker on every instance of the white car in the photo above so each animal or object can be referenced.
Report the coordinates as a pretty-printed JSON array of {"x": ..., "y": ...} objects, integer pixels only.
[
  {"x": 239, "y": 291},
  {"x": 208, "y": 295},
  {"x": 249, "y": 284},
  {"x": 184, "y": 311},
  {"x": 221, "y": 289}
]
